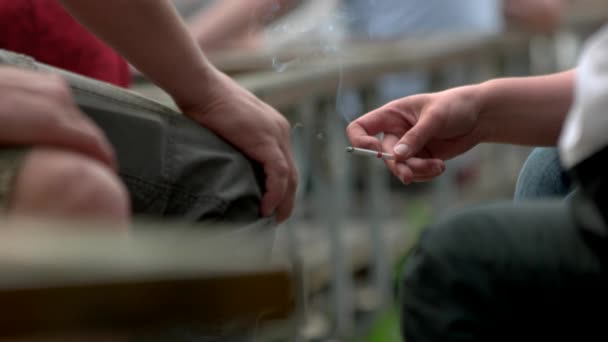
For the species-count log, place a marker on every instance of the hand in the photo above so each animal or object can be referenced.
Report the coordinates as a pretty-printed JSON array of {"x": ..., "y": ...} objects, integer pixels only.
[
  {"x": 422, "y": 131},
  {"x": 38, "y": 109},
  {"x": 257, "y": 130}
]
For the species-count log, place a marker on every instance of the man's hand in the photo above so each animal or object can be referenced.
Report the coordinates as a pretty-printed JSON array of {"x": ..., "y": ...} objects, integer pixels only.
[
  {"x": 422, "y": 131},
  {"x": 153, "y": 38},
  {"x": 38, "y": 109},
  {"x": 256, "y": 129}
]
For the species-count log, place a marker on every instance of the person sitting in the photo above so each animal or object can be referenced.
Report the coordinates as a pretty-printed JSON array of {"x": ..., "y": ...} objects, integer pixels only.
[
  {"x": 68, "y": 170},
  {"x": 194, "y": 167},
  {"x": 534, "y": 270},
  {"x": 226, "y": 24}
]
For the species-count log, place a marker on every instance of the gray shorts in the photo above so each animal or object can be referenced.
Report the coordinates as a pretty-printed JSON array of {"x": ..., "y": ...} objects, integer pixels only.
[
  {"x": 10, "y": 163},
  {"x": 172, "y": 166}
]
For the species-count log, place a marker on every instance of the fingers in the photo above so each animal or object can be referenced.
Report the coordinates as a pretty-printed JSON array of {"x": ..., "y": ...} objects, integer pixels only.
[
  {"x": 416, "y": 170},
  {"x": 412, "y": 170},
  {"x": 258, "y": 130},
  {"x": 278, "y": 174},
  {"x": 40, "y": 120},
  {"x": 84, "y": 136},
  {"x": 421, "y": 170},
  {"x": 38, "y": 109},
  {"x": 388, "y": 143},
  {"x": 276, "y": 187},
  {"x": 393, "y": 118},
  {"x": 281, "y": 175},
  {"x": 68, "y": 127},
  {"x": 401, "y": 117},
  {"x": 360, "y": 137},
  {"x": 414, "y": 140},
  {"x": 287, "y": 204}
]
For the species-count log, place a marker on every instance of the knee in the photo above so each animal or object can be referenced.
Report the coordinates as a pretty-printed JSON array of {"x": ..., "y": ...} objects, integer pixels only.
[
  {"x": 450, "y": 237},
  {"x": 442, "y": 275},
  {"x": 459, "y": 244},
  {"x": 64, "y": 185},
  {"x": 542, "y": 176}
]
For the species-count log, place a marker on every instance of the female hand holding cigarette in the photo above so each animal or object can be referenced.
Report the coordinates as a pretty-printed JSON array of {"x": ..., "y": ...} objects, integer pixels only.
[
  {"x": 424, "y": 130},
  {"x": 421, "y": 131}
]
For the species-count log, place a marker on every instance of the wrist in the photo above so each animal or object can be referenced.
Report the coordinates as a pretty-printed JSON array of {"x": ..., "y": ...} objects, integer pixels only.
[
  {"x": 483, "y": 94},
  {"x": 198, "y": 86}
]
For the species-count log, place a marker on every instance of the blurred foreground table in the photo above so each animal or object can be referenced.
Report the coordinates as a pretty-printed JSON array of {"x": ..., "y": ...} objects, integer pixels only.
[{"x": 60, "y": 281}]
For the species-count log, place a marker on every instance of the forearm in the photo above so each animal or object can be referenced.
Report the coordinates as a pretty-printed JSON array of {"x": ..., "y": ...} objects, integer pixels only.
[
  {"x": 228, "y": 19},
  {"x": 151, "y": 35},
  {"x": 525, "y": 111}
]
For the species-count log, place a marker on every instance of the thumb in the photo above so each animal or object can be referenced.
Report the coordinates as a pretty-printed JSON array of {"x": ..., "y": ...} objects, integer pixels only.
[{"x": 414, "y": 140}]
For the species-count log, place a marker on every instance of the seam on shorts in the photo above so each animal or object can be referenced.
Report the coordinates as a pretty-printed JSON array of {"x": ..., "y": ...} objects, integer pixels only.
[
  {"x": 89, "y": 85},
  {"x": 18, "y": 60},
  {"x": 183, "y": 196},
  {"x": 169, "y": 155},
  {"x": 125, "y": 102},
  {"x": 8, "y": 182}
]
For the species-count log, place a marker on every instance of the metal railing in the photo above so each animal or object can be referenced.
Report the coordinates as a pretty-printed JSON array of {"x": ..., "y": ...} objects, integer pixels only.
[{"x": 346, "y": 218}]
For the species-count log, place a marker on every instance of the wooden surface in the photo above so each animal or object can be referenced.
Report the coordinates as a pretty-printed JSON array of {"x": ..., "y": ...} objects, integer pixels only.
[{"x": 58, "y": 281}]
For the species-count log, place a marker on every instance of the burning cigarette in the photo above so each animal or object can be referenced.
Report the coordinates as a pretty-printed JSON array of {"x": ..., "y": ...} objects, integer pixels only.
[{"x": 370, "y": 153}]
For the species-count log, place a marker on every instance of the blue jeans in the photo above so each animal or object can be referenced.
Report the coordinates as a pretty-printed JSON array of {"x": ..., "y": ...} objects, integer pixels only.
[{"x": 542, "y": 176}]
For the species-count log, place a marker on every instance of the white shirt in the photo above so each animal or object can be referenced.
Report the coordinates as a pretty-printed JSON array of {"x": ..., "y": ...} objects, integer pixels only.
[{"x": 585, "y": 131}]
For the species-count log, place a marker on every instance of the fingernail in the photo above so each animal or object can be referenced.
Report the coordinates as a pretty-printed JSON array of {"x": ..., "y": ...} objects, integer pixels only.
[
  {"x": 402, "y": 170},
  {"x": 438, "y": 169},
  {"x": 402, "y": 150}
]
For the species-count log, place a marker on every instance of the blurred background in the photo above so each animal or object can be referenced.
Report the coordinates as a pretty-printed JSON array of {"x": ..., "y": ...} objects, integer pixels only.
[{"x": 323, "y": 63}]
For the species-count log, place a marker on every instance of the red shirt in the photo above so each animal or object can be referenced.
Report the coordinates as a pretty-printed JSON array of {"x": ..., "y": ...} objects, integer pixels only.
[{"x": 44, "y": 30}]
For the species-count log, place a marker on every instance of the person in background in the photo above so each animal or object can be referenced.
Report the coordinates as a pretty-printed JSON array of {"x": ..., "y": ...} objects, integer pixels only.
[
  {"x": 38, "y": 110},
  {"x": 538, "y": 16},
  {"x": 542, "y": 175},
  {"x": 225, "y": 24},
  {"x": 150, "y": 35},
  {"x": 233, "y": 23},
  {"x": 44, "y": 30},
  {"x": 229, "y": 24},
  {"x": 533, "y": 270}
]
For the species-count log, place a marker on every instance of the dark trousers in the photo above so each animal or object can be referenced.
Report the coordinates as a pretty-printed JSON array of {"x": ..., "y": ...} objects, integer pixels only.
[{"x": 512, "y": 272}]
